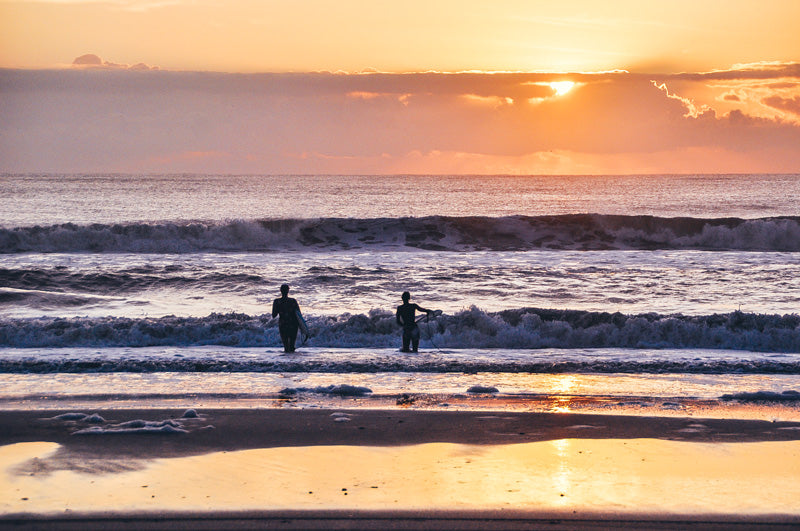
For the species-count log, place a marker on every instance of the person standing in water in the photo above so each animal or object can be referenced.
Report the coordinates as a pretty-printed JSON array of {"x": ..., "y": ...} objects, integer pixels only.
[
  {"x": 406, "y": 317},
  {"x": 287, "y": 310}
]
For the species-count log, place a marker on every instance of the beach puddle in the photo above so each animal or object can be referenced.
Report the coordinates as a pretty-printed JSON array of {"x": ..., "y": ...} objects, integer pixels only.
[{"x": 625, "y": 476}]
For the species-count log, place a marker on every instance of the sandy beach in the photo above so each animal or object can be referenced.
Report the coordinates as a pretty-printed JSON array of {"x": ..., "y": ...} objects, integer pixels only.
[{"x": 393, "y": 469}]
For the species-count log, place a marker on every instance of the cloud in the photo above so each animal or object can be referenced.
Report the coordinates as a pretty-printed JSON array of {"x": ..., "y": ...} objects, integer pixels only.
[
  {"x": 692, "y": 110},
  {"x": 91, "y": 60},
  {"x": 96, "y": 118},
  {"x": 785, "y": 85},
  {"x": 785, "y": 104},
  {"x": 752, "y": 71},
  {"x": 762, "y": 90}
]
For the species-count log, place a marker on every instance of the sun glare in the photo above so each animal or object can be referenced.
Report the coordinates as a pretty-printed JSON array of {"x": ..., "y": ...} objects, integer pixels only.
[{"x": 561, "y": 87}]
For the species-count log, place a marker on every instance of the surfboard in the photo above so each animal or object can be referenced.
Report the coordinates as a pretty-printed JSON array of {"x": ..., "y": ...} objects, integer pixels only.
[{"x": 301, "y": 323}]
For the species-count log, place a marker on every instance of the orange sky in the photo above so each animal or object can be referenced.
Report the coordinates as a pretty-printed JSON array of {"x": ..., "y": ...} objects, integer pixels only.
[{"x": 230, "y": 86}]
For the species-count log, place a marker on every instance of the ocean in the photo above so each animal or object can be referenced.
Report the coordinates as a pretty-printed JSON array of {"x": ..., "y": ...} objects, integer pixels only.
[{"x": 667, "y": 294}]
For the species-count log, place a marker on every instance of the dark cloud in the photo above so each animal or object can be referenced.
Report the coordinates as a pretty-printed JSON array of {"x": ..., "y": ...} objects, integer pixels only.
[
  {"x": 142, "y": 66},
  {"x": 315, "y": 84},
  {"x": 105, "y": 119},
  {"x": 779, "y": 86},
  {"x": 791, "y": 105},
  {"x": 91, "y": 60}
]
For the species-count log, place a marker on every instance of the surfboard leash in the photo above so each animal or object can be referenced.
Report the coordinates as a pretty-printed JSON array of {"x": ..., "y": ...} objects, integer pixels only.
[{"x": 430, "y": 334}]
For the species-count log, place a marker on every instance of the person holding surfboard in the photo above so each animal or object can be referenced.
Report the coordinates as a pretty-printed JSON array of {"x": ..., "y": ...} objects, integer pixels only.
[
  {"x": 406, "y": 317},
  {"x": 289, "y": 318}
]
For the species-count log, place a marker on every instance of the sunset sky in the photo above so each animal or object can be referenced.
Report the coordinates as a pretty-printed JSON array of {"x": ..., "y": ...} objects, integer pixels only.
[{"x": 373, "y": 87}]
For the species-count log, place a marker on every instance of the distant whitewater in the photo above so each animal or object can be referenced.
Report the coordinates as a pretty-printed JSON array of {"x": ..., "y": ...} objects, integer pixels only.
[{"x": 438, "y": 233}]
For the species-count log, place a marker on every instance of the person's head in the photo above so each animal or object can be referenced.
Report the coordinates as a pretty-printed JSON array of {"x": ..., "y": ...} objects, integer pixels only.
[
  {"x": 284, "y": 289},
  {"x": 406, "y": 296}
]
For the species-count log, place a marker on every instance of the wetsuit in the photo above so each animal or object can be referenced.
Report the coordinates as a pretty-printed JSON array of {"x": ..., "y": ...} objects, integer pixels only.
[
  {"x": 407, "y": 319},
  {"x": 286, "y": 308}
]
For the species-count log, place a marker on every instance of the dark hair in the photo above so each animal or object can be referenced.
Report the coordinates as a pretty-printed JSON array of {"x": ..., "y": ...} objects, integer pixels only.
[
  {"x": 406, "y": 295},
  {"x": 284, "y": 288}
]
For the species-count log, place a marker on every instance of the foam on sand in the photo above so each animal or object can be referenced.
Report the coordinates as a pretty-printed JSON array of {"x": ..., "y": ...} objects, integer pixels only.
[{"x": 72, "y": 420}]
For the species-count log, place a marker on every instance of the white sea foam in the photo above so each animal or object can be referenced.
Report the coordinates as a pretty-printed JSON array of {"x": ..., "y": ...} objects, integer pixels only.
[
  {"x": 248, "y": 362},
  {"x": 524, "y": 328}
]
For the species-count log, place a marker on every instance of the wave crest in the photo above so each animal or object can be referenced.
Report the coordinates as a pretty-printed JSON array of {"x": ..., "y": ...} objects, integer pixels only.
[
  {"x": 565, "y": 232},
  {"x": 524, "y": 328}
]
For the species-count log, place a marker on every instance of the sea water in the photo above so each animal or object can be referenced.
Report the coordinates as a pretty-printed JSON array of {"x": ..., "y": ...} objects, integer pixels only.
[{"x": 658, "y": 290}]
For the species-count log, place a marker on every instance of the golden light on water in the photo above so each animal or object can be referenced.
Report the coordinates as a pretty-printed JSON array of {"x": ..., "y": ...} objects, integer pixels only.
[{"x": 563, "y": 385}]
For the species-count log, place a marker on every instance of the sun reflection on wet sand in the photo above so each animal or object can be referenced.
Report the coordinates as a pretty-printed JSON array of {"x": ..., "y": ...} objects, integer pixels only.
[
  {"x": 628, "y": 476},
  {"x": 562, "y": 477}
]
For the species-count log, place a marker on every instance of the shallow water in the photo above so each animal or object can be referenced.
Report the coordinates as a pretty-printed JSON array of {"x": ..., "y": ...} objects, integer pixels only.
[{"x": 645, "y": 289}]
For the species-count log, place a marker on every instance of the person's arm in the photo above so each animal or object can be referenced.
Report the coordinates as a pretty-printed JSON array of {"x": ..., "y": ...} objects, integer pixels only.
[
  {"x": 274, "y": 308},
  {"x": 421, "y": 309},
  {"x": 398, "y": 317}
]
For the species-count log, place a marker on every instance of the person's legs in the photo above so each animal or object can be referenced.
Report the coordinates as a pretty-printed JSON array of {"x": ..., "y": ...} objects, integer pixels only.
[
  {"x": 292, "y": 338},
  {"x": 415, "y": 339},
  {"x": 406, "y": 339},
  {"x": 288, "y": 337},
  {"x": 284, "y": 339}
]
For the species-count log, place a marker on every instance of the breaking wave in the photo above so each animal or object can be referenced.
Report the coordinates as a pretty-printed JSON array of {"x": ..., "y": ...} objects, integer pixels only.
[
  {"x": 26, "y": 283},
  {"x": 567, "y": 232},
  {"x": 526, "y": 328}
]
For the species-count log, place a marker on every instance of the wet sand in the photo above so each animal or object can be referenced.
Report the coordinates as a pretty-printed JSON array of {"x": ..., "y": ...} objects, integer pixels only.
[{"x": 394, "y": 469}]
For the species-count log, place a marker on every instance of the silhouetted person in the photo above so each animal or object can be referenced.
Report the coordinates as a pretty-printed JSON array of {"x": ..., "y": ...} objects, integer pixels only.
[
  {"x": 406, "y": 317},
  {"x": 286, "y": 309}
]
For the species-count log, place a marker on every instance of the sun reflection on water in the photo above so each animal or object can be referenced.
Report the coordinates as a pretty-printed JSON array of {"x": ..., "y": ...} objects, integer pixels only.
[{"x": 564, "y": 385}]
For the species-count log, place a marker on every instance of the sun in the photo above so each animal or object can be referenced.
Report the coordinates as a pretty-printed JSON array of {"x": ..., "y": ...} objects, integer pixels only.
[{"x": 561, "y": 87}]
